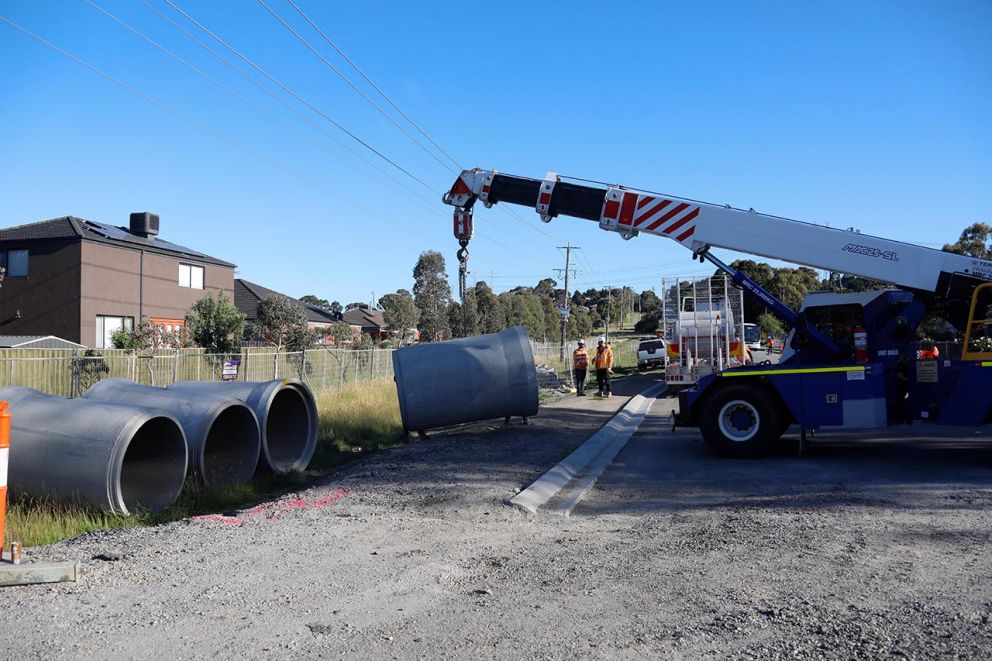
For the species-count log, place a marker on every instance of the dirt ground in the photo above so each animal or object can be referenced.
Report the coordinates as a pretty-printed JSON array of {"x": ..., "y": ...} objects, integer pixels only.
[{"x": 415, "y": 553}]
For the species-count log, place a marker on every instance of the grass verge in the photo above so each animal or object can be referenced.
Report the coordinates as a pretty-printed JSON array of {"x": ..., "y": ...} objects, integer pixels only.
[{"x": 355, "y": 419}]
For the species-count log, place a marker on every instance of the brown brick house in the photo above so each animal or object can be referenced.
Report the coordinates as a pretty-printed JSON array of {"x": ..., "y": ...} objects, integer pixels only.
[{"x": 81, "y": 280}]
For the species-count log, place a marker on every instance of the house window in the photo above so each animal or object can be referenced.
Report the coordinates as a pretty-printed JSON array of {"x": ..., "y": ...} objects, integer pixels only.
[
  {"x": 107, "y": 325},
  {"x": 191, "y": 276},
  {"x": 14, "y": 263}
]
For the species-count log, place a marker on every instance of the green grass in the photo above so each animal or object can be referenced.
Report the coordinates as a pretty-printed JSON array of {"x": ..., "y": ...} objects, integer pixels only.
[{"x": 354, "y": 420}]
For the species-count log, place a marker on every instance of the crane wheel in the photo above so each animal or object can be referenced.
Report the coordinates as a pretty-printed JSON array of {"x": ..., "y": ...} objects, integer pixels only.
[{"x": 742, "y": 420}]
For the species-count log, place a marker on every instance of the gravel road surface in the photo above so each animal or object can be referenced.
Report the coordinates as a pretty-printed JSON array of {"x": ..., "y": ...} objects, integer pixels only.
[{"x": 848, "y": 552}]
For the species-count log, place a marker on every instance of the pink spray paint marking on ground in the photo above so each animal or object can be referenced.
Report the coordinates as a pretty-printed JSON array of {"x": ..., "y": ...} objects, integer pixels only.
[{"x": 276, "y": 507}]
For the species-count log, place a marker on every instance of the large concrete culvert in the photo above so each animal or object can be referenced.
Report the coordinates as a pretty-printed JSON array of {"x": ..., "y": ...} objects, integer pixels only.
[
  {"x": 468, "y": 379},
  {"x": 286, "y": 412},
  {"x": 119, "y": 458},
  {"x": 221, "y": 432}
]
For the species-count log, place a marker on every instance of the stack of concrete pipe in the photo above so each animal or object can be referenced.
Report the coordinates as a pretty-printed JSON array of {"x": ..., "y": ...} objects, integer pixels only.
[
  {"x": 286, "y": 412},
  {"x": 125, "y": 446},
  {"x": 221, "y": 432}
]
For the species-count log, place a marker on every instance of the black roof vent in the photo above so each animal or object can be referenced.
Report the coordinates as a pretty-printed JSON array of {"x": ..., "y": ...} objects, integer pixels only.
[{"x": 144, "y": 224}]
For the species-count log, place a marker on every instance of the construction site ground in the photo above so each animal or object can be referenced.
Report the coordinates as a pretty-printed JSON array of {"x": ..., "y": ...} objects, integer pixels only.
[{"x": 869, "y": 545}]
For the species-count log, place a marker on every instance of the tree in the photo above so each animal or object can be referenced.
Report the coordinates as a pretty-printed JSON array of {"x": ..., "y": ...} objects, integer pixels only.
[
  {"x": 145, "y": 336},
  {"x": 284, "y": 323},
  {"x": 432, "y": 294},
  {"x": 552, "y": 319},
  {"x": 649, "y": 301},
  {"x": 464, "y": 316},
  {"x": 340, "y": 332},
  {"x": 769, "y": 323},
  {"x": 546, "y": 287},
  {"x": 975, "y": 241},
  {"x": 492, "y": 318},
  {"x": 214, "y": 324},
  {"x": 335, "y": 309},
  {"x": 399, "y": 312},
  {"x": 321, "y": 303},
  {"x": 357, "y": 305},
  {"x": 579, "y": 323},
  {"x": 524, "y": 309}
]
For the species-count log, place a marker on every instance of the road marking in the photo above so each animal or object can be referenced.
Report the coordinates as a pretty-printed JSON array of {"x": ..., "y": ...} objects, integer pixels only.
[{"x": 590, "y": 459}]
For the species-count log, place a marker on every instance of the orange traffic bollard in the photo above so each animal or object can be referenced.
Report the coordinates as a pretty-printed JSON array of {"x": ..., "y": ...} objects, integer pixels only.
[{"x": 4, "y": 452}]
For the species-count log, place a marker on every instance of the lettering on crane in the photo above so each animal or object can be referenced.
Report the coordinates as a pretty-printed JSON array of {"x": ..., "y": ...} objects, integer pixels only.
[{"x": 868, "y": 251}]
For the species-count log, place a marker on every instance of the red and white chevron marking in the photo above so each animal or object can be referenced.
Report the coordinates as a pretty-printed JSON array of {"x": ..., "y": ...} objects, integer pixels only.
[{"x": 668, "y": 217}]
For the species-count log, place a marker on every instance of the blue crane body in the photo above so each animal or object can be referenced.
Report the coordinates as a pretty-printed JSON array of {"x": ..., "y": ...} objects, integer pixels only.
[{"x": 853, "y": 359}]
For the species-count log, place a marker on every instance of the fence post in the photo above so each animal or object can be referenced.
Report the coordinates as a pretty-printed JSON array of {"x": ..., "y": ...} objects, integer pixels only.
[
  {"x": 372, "y": 365},
  {"x": 74, "y": 385},
  {"x": 303, "y": 365},
  {"x": 175, "y": 367}
]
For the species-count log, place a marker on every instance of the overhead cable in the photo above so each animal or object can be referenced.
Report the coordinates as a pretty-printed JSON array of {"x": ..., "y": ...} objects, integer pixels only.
[
  {"x": 352, "y": 85},
  {"x": 376, "y": 87},
  {"x": 203, "y": 127},
  {"x": 299, "y": 98}
]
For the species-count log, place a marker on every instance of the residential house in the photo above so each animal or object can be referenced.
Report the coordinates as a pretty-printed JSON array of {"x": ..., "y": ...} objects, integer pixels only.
[
  {"x": 82, "y": 280},
  {"x": 247, "y": 296},
  {"x": 373, "y": 322}
]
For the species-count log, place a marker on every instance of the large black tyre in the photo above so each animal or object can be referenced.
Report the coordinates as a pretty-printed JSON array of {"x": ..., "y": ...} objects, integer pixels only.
[{"x": 742, "y": 420}]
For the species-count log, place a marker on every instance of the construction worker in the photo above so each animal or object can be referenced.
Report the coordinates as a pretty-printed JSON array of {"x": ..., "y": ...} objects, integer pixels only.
[
  {"x": 603, "y": 361},
  {"x": 580, "y": 364}
]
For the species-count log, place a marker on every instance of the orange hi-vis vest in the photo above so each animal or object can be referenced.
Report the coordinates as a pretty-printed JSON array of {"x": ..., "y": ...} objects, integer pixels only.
[
  {"x": 580, "y": 359},
  {"x": 604, "y": 358}
]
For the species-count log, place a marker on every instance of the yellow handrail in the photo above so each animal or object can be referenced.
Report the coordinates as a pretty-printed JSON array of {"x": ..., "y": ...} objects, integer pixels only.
[{"x": 967, "y": 354}]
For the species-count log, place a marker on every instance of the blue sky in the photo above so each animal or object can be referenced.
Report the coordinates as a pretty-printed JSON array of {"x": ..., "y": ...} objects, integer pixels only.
[{"x": 874, "y": 115}]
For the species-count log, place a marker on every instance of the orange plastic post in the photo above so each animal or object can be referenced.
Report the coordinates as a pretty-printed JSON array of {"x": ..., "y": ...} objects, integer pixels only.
[{"x": 4, "y": 452}]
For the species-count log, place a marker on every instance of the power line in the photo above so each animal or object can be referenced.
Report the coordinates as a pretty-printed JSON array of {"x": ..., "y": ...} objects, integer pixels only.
[
  {"x": 351, "y": 84},
  {"x": 376, "y": 87},
  {"x": 247, "y": 101},
  {"x": 204, "y": 127},
  {"x": 340, "y": 52},
  {"x": 294, "y": 110},
  {"x": 302, "y": 100}
]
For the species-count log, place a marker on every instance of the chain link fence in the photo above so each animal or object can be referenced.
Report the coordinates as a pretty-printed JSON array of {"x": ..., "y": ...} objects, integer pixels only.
[
  {"x": 554, "y": 361},
  {"x": 69, "y": 373}
]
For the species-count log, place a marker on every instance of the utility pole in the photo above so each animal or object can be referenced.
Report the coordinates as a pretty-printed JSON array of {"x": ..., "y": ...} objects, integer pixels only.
[
  {"x": 568, "y": 248},
  {"x": 609, "y": 308},
  {"x": 372, "y": 302}
]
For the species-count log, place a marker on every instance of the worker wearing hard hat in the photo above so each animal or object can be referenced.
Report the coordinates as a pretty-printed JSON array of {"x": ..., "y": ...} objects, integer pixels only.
[
  {"x": 580, "y": 364},
  {"x": 603, "y": 361}
]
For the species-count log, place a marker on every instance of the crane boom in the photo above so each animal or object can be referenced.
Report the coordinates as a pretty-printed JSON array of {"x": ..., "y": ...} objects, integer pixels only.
[{"x": 699, "y": 226}]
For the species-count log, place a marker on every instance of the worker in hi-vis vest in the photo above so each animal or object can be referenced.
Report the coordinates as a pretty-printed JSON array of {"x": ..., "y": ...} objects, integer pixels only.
[
  {"x": 580, "y": 363},
  {"x": 603, "y": 362}
]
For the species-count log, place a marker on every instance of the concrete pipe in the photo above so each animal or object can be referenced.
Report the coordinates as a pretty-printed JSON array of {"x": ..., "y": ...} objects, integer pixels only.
[
  {"x": 119, "y": 458},
  {"x": 221, "y": 432},
  {"x": 287, "y": 415},
  {"x": 473, "y": 378}
]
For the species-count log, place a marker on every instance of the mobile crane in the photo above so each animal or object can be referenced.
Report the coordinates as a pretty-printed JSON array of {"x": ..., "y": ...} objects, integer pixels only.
[{"x": 851, "y": 359}]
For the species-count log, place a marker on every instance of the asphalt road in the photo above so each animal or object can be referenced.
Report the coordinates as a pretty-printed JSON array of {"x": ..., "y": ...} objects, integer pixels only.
[{"x": 912, "y": 466}]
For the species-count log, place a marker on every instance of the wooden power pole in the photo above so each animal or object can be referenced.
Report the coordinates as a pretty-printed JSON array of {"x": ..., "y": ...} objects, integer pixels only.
[{"x": 568, "y": 248}]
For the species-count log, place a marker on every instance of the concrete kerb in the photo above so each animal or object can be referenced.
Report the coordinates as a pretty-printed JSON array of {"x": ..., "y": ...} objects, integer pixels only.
[{"x": 592, "y": 457}]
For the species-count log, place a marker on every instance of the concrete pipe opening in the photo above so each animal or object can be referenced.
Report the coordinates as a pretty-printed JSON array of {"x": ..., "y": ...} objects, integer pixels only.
[
  {"x": 154, "y": 466},
  {"x": 227, "y": 456},
  {"x": 286, "y": 412},
  {"x": 119, "y": 458},
  {"x": 287, "y": 429}
]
